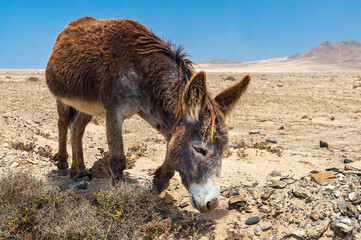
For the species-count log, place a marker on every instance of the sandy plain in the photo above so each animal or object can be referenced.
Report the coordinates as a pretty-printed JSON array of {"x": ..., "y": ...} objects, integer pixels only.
[{"x": 297, "y": 109}]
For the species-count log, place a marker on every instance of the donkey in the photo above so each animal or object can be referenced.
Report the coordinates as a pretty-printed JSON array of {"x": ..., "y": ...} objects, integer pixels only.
[{"x": 118, "y": 68}]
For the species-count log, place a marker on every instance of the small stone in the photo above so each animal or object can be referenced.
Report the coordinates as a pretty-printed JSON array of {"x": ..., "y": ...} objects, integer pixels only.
[
  {"x": 358, "y": 208},
  {"x": 168, "y": 198},
  {"x": 265, "y": 227},
  {"x": 353, "y": 196},
  {"x": 33, "y": 79},
  {"x": 265, "y": 209},
  {"x": 316, "y": 222},
  {"x": 342, "y": 228},
  {"x": 254, "y": 132},
  {"x": 342, "y": 206},
  {"x": 78, "y": 185},
  {"x": 237, "y": 202},
  {"x": 278, "y": 184},
  {"x": 314, "y": 216},
  {"x": 267, "y": 194},
  {"x": 281, "y": 128},
  {"x": 6, "y": 145},
  {"x": 322, "y": 178},
  {"x": 319, "y": 229},
  {"x": 300, "y": 193},
  {"x": 271, "y": 140},
  {"x": 337, "y": 193},
  {"x": 323, "y": 144},
  {"x": 346, "y": 160},
  {"x": 15, "y": 164},
  {"x": 257, "y": 231},
  {"x": 275, "y": 173},
  {"x": 299, "y": 233},
  {"x": 252, "y": 220}
]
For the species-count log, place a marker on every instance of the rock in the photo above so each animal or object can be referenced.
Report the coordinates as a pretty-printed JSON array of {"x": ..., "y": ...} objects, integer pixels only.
[
  {"x": 347, "y": 160},
  {"x": 78, "y": 185},
  {"x": 316, "y": 222},
  {"x": 254, "y": 132},
  {"x": 265, "y": 209},
  {"x": 322, "y": 178},
  {"x": 300, "y": 193},
  {"x": 358, "y": 208},
  {"x": 342, "y": 207},
  {"x": 278, "y": 184},
  {"x": 237, "y": 202},
  {"x": 314, "y": 216},
  {"x": 337, "y": 193},
  {"x": 257, "y": 231},
  {"x": 323, "y": 144},
  {"x": 319, "y": 229},
  {"x": 15, "y": 164},
  {"x": 300, "y": 233},
  {"x": 233, "y": 191},
  {"x": 353, "y": 196},
  {"x": 252, "y": 220},
  {"x": 281, "y": 128},
  {"x": 275, "y": 173},
  {"x": 33, "y": 79},
  {"x": 271, "y": 140},
  {"x": 265, "y": 227},
  {"x": 342, "y": 229},
  {"x": 267, "y": 194}
]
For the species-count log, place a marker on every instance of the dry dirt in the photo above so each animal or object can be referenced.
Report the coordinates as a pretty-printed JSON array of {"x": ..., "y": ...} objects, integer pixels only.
[{"x": 296, "y": 109}]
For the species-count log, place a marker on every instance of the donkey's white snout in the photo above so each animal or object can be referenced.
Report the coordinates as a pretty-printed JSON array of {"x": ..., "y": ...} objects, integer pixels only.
[{"x": 205, "y": 197}]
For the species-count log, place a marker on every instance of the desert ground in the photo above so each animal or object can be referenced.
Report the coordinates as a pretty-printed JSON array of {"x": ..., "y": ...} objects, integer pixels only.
[{"x": 294, "y": 110}]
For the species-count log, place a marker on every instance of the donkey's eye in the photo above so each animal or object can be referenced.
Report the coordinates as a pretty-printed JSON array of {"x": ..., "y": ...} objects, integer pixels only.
[{"x": 200, "y": 150}]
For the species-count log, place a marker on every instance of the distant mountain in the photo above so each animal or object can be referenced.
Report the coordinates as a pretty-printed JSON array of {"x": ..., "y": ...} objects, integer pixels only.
[
  {"x": 329, "y": 56},
  {"x": 346, "y": 51}
]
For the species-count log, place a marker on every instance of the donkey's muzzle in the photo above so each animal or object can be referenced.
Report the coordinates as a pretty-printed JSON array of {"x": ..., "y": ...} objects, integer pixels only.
[{"x": 205, "y": 197}]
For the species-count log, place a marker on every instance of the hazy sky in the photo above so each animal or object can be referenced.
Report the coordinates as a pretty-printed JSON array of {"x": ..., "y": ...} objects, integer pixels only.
[{"x": 225, "y": 29}]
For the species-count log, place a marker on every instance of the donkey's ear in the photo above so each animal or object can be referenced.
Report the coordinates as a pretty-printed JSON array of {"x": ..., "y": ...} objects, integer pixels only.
[
  {"x": 194, "y": 95},
  {"x": 229, "y": 97}
]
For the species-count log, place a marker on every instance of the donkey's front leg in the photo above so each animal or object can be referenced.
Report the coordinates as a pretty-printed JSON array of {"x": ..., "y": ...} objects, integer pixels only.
[
  {"x": 117, "y": 159},
  {"x": 162, "y": 175}
]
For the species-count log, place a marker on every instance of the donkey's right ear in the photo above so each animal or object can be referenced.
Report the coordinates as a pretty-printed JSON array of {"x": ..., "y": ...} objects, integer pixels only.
[{"x": 194, "y": 96}]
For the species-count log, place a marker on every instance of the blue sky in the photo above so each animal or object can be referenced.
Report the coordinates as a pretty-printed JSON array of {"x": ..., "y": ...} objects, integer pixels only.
[{"x": 234, "y": 30}]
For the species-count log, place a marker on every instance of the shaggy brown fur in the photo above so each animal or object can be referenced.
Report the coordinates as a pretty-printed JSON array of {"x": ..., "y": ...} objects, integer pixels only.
[{"x": 118, "y": 68}]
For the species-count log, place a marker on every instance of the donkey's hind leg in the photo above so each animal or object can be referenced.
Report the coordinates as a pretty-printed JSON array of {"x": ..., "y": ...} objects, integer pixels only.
[
  {"x": 77, "y": 129},
  {"x": 66, "y": 116}
]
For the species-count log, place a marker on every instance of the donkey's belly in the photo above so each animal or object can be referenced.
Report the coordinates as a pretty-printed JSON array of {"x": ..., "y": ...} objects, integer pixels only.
[{"x": 91, "y": 108}]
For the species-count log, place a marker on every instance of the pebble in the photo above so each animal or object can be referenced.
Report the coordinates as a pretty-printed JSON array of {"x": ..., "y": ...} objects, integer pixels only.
[
  {"x": 257, "y": 231},
  {"x": 254, "y": 132},
  {"x": 78, "y": 185},
  {"x": 271, "y": 140},
  {"x": 252, "y": 220},
  {"x": 316, "y": 222},
  {"x": 323, "y": 144},
  {"x": 275, "y": 173},
  {"x": 353, "y": 196},
  {"x": 265, "y": 227},
  {"x": 347, "y": 160},
  {"x": 15, "y": 164},
  {"x": 337, "y": 193}
]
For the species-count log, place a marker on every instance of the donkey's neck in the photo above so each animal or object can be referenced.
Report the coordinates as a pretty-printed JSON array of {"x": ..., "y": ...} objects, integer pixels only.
[{"x": 163, "y": 93}]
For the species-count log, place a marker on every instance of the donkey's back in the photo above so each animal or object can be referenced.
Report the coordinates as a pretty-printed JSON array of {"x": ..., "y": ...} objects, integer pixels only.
[{"x": 87, "y": 57}]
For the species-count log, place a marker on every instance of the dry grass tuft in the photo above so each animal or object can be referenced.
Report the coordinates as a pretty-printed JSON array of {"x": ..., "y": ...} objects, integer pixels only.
[{"x": 33, "y": 209}]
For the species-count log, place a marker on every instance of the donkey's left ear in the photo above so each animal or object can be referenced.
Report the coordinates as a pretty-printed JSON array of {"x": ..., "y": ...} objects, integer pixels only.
[
  {"x": 229, "y": 97},
  {"x": 194, "y": 95}
]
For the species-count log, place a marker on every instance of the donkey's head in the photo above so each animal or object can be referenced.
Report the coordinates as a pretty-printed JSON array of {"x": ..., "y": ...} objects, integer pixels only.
[{"x": 200, "y": 137}]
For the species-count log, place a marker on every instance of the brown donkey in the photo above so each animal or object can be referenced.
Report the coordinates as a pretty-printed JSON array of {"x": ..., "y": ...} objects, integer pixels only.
[{"x": 118, "y": 68}]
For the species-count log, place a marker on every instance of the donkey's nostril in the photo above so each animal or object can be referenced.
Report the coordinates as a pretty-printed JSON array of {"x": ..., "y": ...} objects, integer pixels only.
[{"x": 212, "y": 204}]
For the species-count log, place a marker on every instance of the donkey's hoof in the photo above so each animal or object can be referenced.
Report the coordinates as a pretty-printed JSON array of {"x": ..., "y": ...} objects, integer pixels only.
[
  {"x": 116, "y": 179},
  {"x": 84, "y": 176},
  {"x": 160, "y": 186}
]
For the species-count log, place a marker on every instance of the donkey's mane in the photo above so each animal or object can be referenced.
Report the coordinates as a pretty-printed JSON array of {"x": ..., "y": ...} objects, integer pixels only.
[{"x": 148, "y": 42}]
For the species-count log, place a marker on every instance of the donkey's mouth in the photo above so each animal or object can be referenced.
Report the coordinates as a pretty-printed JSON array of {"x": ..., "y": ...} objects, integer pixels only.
[{"x": 205, "y": 197}]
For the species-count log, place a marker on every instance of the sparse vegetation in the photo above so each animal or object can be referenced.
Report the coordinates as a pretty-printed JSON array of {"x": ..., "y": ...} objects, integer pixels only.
[
  {"x": 34, "y": 209},
  {"x": 242, "y": 146}
]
